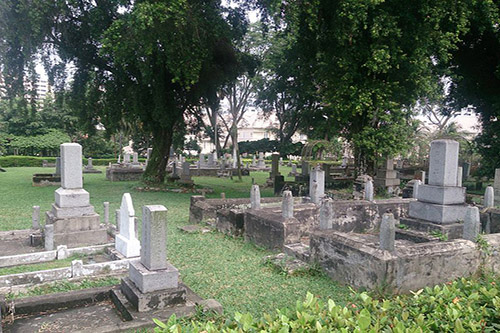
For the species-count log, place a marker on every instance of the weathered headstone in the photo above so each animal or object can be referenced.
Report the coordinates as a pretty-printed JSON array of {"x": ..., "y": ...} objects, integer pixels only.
[
  {"x": 126, "y": 158},
  {"x": 287, "y": 205},
  {"x": 76, "y": 268},
  {"x": 305, "y": 168},
  {"x": 496, "y": 187},
  {"x": 261, "y": 163},
  {"x": 106, "y": 212},
  {"x": 74, "y": 220},
  {"x": 472, "y": 224},
  {"x": 326, "y": 214},
  {"x": 49, "y": 237},
  {"x": 369, "y": 190},
  {"x": 125, "y": 242},
  {"x": 58, "y": 165},
  {"x": 211, "y": 160},
  {"x": 255, "y": 197},
  {"x": 489, "y": 197},
  {"x": 459, "y": 176},
  {"x": 274, "y": 166},
  {"x": 186, "y": 174},
  {"x": 317, "y": 185},
  {"x": 387, "y": 232},
  {"x": 153, "y": 283},
  {"x": 294, "y": 169},
  {"x": 35, "y": 218},
  {"x": 89, "y": 163},
  {"x": 135, "y": 158},
  {"x": 387, "y": 177},
  {"x": 416, "y": 185},
  {"x": 254, "y": 161},
  {"x": 62, "y": 252}
]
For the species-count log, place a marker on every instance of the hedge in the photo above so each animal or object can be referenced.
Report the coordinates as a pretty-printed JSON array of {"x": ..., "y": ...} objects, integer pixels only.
[
  {"x": 35, "y": 161},
  {"x": 465, "y": 305}
]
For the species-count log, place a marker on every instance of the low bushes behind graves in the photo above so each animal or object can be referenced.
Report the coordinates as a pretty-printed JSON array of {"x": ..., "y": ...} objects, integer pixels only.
[
  {"x": 35, "y": 161},
  {"x": 465, "y": 305}
]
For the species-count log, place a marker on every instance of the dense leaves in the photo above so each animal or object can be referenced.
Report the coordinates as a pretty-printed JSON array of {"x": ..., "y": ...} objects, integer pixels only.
[{"x": 459, "y": 306}]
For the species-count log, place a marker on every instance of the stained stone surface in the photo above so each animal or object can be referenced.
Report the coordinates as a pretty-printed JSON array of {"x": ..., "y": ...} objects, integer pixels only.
[
  {"x": 443, "y": 164},
  {"x": 154, "y": 237}
]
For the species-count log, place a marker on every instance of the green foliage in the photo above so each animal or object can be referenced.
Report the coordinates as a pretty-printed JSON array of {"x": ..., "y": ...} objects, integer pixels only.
[
  {"x": 43, "y": 144},
  {"x": 436, "y": 233},
  {"x": 266, "y": 145},
  {"x": 464, "y": 305},
  {"x": 32, "y": 161}
]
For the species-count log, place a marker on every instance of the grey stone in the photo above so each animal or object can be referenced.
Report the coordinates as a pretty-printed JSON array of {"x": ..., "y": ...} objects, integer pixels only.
[
  {"x": 106, "y": 212},
  {"x": 472, "y": 224},
  {"x": 441, "y": 214},
  {"x": 71, "y": 197},
  {"x": 496, "y": 183},
  {"x": 154, "y": 237},
  {"x": 255, "y": 197},
  {"x": 143, "y": 302},
  {"x": 89, "y": 163},
  {"x": 62, "y": 252},
  {"x": 294, "y": 169},
  {"x": 317, "y": 185},
  {"x": 35, "y": 218},
  {"x": 389, "y": 163},
  {"x": 261, "y": 163},
  {"x": 387, "y": 232},
  {"x": 77, "y": 268},
  {"x": 326, "y": 214},
  {"x": 489, "y": 197},
  {"x": 275, "y": 165},
  {"x": 135, "y": 158},
  {"x": 444, "y": 195},
  {"x": 459, "y": 176},
  {"x": 211, "y": 160},
  {"x": 49, "y": 237},
  {"x": 369, "y": 190},
  {"x": 117, "y": 219},
  {"x": 305, "y": 168},
  {"x": 416, "y": 185},
  {"x": 287, "y": 205},
  {"x": 443, "y": 164},
  {"x": 58, "y": 165},
  {"x": 153, "y": 280},
  {"x": 126, "y": 158},
  {"x": 71, "y": 166}
]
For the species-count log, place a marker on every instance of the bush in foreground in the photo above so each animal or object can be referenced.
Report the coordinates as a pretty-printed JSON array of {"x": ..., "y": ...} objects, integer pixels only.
[{"x": 465, "y": 305}]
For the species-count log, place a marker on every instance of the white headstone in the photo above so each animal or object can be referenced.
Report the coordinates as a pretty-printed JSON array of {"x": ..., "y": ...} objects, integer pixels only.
[
  {"x": 287, "y": 205},
  {"x": 71, "y": 166},
  {"x": 126, "y": 158},
  {"x": 317, "y": 185},
  {"x": 255, "y": 197},
  {"x": 416, "y": 184},
  {"x": 35, "y": 218},
  {"x": 106, "y": 212},
  {"x": 369, "y": 190},
  {"x": 126, "y": 242},
  {"x": 489, "y": 197},
  {"x": 49, "y": 237}
]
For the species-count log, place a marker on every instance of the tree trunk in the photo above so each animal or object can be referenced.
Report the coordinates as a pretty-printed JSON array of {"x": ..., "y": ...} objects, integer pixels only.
[{"x": 157, "y": 164}]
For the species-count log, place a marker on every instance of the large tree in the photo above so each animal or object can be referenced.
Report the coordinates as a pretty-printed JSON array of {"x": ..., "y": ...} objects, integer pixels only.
[
  {"x": 371, "y": 60},
  {"x": 146, "y": 61}
]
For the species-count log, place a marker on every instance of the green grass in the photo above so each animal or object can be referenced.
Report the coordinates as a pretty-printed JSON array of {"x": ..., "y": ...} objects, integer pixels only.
[{"x": 213, "y": 265}]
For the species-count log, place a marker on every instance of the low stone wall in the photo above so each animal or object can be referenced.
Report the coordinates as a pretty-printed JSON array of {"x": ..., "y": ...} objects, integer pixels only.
[
  {"x": 212, "y": 172},
  {"x": 361, "y": 215},
  {"x": 122, "y": 174},
  {"x": 355, "y": 259},
  {"x": 205, "y": 210}
]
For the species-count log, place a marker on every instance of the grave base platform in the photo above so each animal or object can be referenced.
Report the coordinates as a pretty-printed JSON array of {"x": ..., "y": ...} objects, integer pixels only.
[
  {"x": 453, "y": 230},
  {"x": 155, "y": 300},
  {"x": 82, "y": 238}
]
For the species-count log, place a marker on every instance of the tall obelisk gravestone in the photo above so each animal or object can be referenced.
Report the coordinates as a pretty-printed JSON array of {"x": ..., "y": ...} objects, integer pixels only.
[{"x": 74, "y": 220}]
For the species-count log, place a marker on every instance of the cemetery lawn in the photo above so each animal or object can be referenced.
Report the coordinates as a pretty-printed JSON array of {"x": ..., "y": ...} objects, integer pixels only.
[{"x": 211, "y": 264}]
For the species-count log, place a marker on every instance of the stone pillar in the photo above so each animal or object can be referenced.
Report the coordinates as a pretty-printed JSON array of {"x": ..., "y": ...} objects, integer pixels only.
[
  {"x": 126, "y": 158},
  {"x": 255, "y": 197},
  {"x": 305, "y": 168},
  {"x": 58, "y": 166},
  {"x": 317, "y": 185},
  {"x": 261, "y": 163},
  {"x": 369, "y": 190},
  {"x": 35, "y": 218},
  {"x": 106, "y": 212},
  {"x": 211, "y": 161},
  {"x": 471, "y": 224},
  {"x": 89, "y": 163},
  {"x": 326, "y": 214},
  {"x": 49, "y": 237},
  {"x": 294, "y": 169},
  {"x": 496, "y": 187},
  {"x": 274, "y": 166},
  {"x": 287, "y": 205},
  {"x": 135, "y": 158},
  {"x": 416, "y": 184},
  {"x": 254, "y": 161},
  {"x": 126, "y": 242},
  {"x": 443, "y": 164},
  {"x": 154, "y": 237},
  {"x": 71, "y": 166},
  {"x": 489, "y": 197},
  {"x": 387, "y": 232},
  {"x": 117, "y": 220},
  {"x": 459, "y": 176}
]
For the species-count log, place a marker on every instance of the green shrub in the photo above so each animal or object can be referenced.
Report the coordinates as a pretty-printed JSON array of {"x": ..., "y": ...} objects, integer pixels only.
[
  {"x": 35, "y": 161},
  {"x": 465, "y": 305}
]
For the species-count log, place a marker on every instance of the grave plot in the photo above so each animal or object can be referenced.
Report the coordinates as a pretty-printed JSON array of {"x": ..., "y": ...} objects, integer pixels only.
[
  {"x": 125, "y": 170},
  {"x": 151, "y": 289},
  {"x": 433, "y": 243},
  {"x": 48, "y": 179}
]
